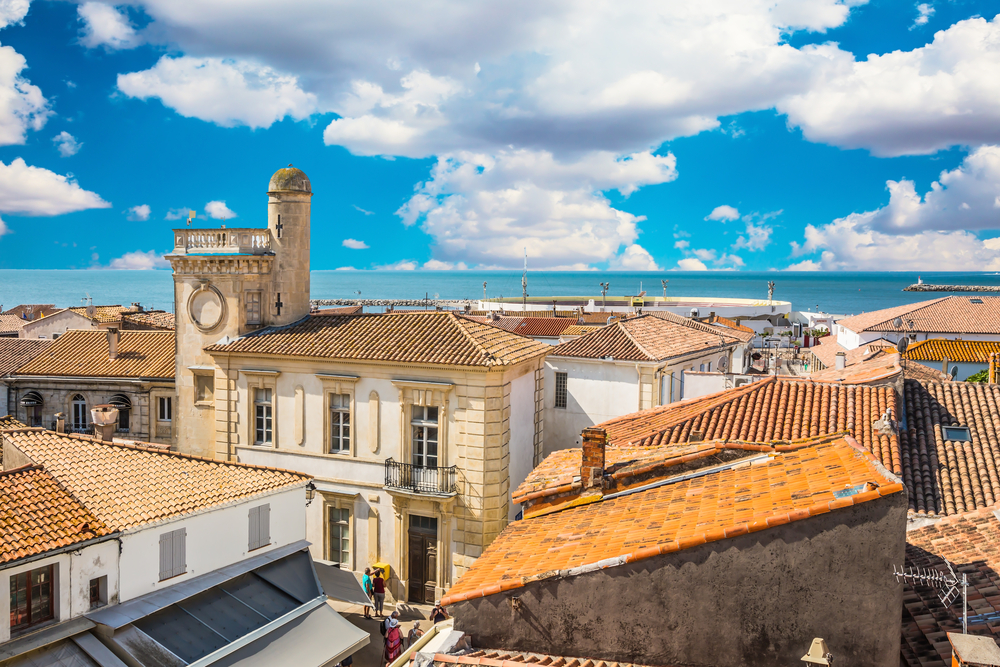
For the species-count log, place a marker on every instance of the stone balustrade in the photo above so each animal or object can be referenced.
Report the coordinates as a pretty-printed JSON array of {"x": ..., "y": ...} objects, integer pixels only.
[{"x": 247, "y": 241}]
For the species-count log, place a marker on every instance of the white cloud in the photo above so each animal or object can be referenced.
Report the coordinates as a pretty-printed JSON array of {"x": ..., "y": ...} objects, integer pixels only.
[
  {"x": 22, "y": 105},
  {"x": 907, "y": 102},
  {"x": 723, "y": 213},
  {"x": 704, "y": 254},
  {"x": 219, "y": 210},
  {"x": 66, "y": 144},
  {"x": 138, "y": 259},
  {"x": 139, "y": 213},
  {"x": 361, "y": 210},
  {"x": 924, "y": 13},
  {"x": 634, "y": 258},
  {"x": 177, "y": 213},
  {"x": 756, "y": 237},
  {"x": 226, "y": 92},
  {"x": 345, "y": 268},
  {"x": 103, "y": 25},
  {"x": 401, "y": 265},
  {"x": 486, "y": 209},
  {"x": 36, "y": 191},
  {"x": 682, "y": 244},
  {"x": 435, "y": 265},
  {"x": 13, "y": 11},
  {"x": 4, "y": 229},
  {"x": 691, "y": 264},
  {"x": 354, "y": 244}
]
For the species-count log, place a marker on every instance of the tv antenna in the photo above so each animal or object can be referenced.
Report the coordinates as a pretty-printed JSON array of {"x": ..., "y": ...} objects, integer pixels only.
[
  {"x": 604, "y": 295},
  {"x": 191, "y": 216},
  {"x": 946, "y": 584}
]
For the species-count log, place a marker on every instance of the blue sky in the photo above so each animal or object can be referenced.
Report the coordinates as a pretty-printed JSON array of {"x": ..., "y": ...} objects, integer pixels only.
[{"x": 718, "y": 134}]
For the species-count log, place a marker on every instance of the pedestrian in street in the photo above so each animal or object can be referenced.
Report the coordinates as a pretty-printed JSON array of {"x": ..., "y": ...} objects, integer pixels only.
[
  {"x": 366, "y": 583},
  {"x": 438, "y": 614},
  {"x": 414, "y": 634},
  {"x": 383, "y": 627},
  {"x": 393, "y": 642},
  {"x": 378, "y": 585}
]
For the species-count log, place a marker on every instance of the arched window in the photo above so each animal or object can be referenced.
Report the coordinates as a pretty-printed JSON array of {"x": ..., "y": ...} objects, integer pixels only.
[
  {"x": 124, "y": 405},
  {"x": 32, "y": 402},
  {"x": 79, "y": 414}
]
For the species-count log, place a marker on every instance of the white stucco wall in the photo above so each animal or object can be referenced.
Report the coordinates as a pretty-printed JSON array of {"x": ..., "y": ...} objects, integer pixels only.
[
  {"x": 215, "y": 538},
  {"x": 73, "y": 573},
  {"x": 595, "y": 391},
  {"x": 59, "y": 323},
  {"x": 522, "y": 433}
]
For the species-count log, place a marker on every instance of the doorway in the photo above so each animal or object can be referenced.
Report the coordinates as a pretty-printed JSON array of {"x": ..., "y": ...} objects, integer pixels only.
[{"x": 422, "y": 559}]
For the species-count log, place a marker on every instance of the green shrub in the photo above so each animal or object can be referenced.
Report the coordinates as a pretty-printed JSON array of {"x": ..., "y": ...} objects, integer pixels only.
[{"x": 981, "y": 376}]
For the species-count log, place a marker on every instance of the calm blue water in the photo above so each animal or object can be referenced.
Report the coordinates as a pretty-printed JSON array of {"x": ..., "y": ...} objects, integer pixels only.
[{"x": 852, "y": 292}]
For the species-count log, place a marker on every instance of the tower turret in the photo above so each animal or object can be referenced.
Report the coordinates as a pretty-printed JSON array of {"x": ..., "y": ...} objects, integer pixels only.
[{"x": 288, "y": 210}]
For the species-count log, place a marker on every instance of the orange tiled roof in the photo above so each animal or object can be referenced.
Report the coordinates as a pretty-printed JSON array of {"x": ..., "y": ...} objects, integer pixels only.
[
  {"x": 341, "y": 310},
  {"x": 647, "y": 338},
  {"x": 792, "y": 485},
  {"x": 950, "y": 314},
  {"x": 15, "y": 352},
  {"x": 581, "y": 329},
  {"x": 498, "y": 658},
  {"x": 971, "y": 542},
  {"x": 880, "y": 368},
  {"x": 9, "y": 422},
  {"x": 148, "y": 320},
  {"x": 11, "y": 323},
  {"x": 37, "y": 514},
  {"x": 963, "y": 351},
  {"x": 828, "y": 348},
  {"x": 530, "y": 326},
  {"x": 102, "y": 314},
  {"x": 131, "y": 485},
  {"x": 914, "y": 370},
  {"x": 84, "y": 352},
  {"x": 426, "y": 338},
  {"x": 33, "y": 309}
]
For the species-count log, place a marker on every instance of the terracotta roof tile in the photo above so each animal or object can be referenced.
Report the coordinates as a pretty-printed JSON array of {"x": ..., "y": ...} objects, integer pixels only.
[
  {"x": 15, "y": 352},
  {"x": 880, "y": 368},
  {"x": 428, "y": 338},
  {"x": 9, "y": 422},
  {"x": 530, "y": 326},
  {"x": 502, "y": 658},
  {"x": 963, "y": 351},
  {"x": 747, "y": 332},
  {"x": 791, "y": 485},
  {"x": 914, "y": 370},
  {"x": 11, "y": 323},
  {"x": 130, "y": 485},
  {"x": 341, "y": 310},
  {"x": 581, "y": 329},
  {"x": 84, "y": 352},
  {"x": 37, "y": 514},
  {"x": 35, "y": 309},
  {"x": 148, "y": 320},
  {"x": 648, "y": 338},
  {"x": 971, "y": 542},
  {"x": 102, "y": 314},
  {"x": 950, "y": 314},
  {"x": 826, "y": 351}
]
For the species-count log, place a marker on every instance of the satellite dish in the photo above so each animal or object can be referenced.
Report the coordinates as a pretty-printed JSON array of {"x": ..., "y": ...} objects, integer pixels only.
[
  {"x": 723, "y": 363},
  {"x": 902, "y": 345},
  {"x": 898, "y": 323}
]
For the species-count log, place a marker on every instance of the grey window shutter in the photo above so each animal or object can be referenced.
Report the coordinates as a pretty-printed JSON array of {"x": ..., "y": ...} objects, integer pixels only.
[
  {"x": 166, "y": 556},
  {"x": 254, "y": 527},
  {"x": 265, "y": 525},
  {"x": 180, "y": 551}
]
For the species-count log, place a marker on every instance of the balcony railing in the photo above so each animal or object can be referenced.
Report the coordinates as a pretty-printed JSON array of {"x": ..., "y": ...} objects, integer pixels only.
[
  {"x": 249, "y": 241},
  {"x": 417, "y": 479}
]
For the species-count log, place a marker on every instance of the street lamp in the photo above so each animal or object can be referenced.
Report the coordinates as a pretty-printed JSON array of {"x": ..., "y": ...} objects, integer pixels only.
[
  {"x": 310, "y": 493},
  {"x": 604, "y": 296}
]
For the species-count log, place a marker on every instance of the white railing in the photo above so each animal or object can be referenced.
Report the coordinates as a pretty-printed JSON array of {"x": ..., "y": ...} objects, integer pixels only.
[{"x": 222, "y": 241}]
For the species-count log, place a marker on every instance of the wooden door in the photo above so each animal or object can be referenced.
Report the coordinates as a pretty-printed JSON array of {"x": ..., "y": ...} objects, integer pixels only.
[{"x": 422, "y": 559}]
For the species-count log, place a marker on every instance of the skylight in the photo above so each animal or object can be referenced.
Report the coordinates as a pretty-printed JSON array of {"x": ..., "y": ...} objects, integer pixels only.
[{"x": 956, "y": 433}]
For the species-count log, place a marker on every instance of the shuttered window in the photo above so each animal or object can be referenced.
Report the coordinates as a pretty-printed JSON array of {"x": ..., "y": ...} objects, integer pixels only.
[
  {"x": 260, "y": 527},
  {"x": 173, "y": 553}
]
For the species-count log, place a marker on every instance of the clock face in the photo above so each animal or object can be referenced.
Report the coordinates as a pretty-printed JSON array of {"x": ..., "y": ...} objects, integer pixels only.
[{"x": 206, "y": 307}]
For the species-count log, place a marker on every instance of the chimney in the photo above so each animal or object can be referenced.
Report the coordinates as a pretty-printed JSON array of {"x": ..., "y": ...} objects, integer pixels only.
[
  {"x": 592, "y": 468},
  {"x": 112, "y": 343},
  {"x": 944, "y": 365},
  {"x": 104, "y": 418},
  {"x": 841, "y": 362},
  {"x": 60, "y": 422}
]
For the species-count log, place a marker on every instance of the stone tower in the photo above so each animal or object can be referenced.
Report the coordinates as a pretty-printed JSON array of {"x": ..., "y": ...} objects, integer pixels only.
[
  {"x": 227, "y": 283},
  {"x": 288, "y": 203}
]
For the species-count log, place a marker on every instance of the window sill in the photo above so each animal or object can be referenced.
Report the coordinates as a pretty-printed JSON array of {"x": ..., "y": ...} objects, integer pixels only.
[
  {"x": 204, "y": 404},
  {"x": 264, "y": 445},
  {"x": 24, "y": 630}
]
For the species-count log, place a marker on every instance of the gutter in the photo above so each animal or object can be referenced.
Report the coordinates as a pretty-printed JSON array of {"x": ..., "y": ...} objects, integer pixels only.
[{"x": 66, "y": 549}]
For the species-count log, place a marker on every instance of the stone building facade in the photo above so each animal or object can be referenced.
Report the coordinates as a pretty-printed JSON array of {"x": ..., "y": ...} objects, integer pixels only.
[{"x": 415, "y": 426}]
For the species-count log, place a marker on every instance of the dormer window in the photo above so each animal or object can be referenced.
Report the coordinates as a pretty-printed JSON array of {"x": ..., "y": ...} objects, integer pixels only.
[{"x": 956, "y": 433}]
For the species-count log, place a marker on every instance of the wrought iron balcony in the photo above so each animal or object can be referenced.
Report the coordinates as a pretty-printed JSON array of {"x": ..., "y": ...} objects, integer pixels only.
[{"x": 417, "y": 479}]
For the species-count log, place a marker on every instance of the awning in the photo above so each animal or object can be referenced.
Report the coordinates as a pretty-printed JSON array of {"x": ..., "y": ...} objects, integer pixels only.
[
  {"x": 340, "y": 584},
  {"x": 32, "y": 398}
]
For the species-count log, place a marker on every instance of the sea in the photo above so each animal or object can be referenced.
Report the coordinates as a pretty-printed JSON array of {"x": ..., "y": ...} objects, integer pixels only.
[{"x": 842, "y": 293}]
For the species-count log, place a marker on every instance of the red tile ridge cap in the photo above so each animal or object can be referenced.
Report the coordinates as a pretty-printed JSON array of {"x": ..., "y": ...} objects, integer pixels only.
[
  {"x": 712, "y": 535},
  {"x": 550, "y": 491},
  {"x": 26, "y": 467}
]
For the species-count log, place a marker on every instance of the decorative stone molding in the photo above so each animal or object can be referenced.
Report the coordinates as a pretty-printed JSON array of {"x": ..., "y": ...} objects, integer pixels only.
[
  {"x": 374, "y": 420},
  {"x": 338, "y": 384},
  {"x": 187, "y": 265},
  {"x": 207, "y": 307}
]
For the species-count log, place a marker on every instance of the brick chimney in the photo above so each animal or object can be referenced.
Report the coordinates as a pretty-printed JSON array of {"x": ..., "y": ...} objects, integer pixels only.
[
  {"x": 592, "y": 468},
  {"x": 112, "y": 343}
]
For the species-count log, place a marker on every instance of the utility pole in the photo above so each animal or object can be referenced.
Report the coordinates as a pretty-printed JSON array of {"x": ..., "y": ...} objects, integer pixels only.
[
  {"x": 664, "y": 283},
  {"x": 484, "y": 290},
  {"x": 524, "y": 284},
  {"x": 604, "y": 296}
]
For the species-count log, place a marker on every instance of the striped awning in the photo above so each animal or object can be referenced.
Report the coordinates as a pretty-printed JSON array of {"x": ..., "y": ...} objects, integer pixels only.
[
  {"x": 32, "y": 398},
  {"x": 120, "y": 401}
]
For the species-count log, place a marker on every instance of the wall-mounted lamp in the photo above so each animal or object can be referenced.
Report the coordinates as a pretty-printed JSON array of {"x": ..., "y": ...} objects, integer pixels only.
[{"x": 310, "y": 493}]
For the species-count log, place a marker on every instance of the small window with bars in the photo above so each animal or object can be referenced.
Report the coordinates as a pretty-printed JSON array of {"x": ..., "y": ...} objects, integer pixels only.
[
  {"x": 253, "y": 307},
  {"x": 561, "y": 393},
  {"x": 340, "y": 423}
]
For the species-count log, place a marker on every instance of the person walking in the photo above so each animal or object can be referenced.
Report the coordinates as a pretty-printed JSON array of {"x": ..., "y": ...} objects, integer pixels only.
[
  {"x": 393, "y": 642},
  {"x": 414, "y": 634},
  {"x": 366, "y": 583},
  {"x": 378, "y": 585},
  {"x": 438, "y": 614}
]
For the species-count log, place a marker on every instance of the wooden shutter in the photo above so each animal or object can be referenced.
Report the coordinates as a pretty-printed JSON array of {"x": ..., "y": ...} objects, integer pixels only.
[
  {"x": 254, "y": 528},
  {"x": 166, "y": 556},
  {"x": 265, "y": 525},
  {"x": 180, "y": 551}
]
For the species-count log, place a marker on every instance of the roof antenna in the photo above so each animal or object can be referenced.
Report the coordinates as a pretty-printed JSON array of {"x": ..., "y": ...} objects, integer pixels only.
[{"x": 524, "y": 284}]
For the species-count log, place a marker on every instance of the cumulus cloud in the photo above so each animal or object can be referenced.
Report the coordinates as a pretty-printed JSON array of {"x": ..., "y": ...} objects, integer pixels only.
[
  {"x": 13, "y": 11},
  {"x": 401, "y": 265},
  {"x": 634, "y": 258},
  {"x": 691, "y": 264},
  {"x": 22, "y": 105},
  {"x": 177, "y": 213},
  {"x": 907, "y": 102},
  {"x": 435, "y": 265},
  {"x": 697, "y": 259},
  {"x": 723, "y": 213},
  {"x": 35, "y": 191},
  {"x": 138, "y": 259},
  {"x": 227, "y": 92},
  {"x": 104, "y": 25},
  {"x": 485, "y": 209},
  {"x": 4, "y": 229},
  {"x": 756, "y": 237},
  {"x": 66, "y": 144},
  {"x": 139, "y": 213},
  {"x": 219, "y": 210},
  {"x": 354, "y": 244},
  {"x": 924, "y": 13}
]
